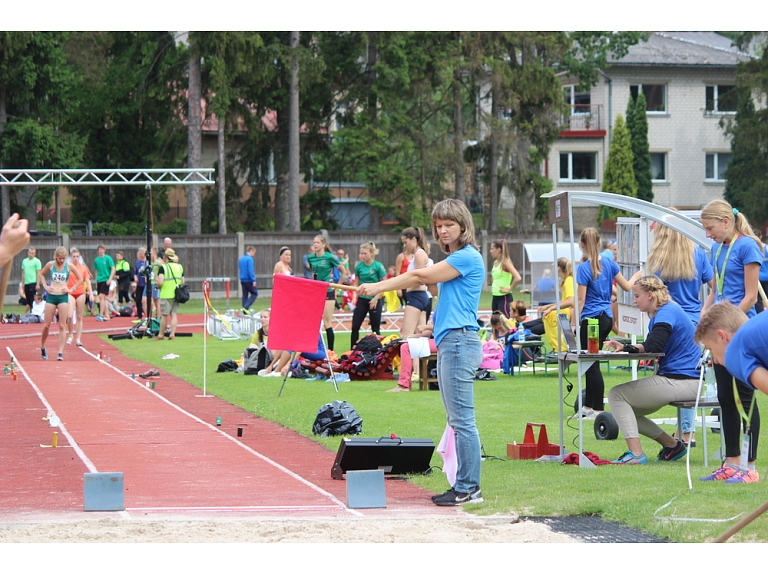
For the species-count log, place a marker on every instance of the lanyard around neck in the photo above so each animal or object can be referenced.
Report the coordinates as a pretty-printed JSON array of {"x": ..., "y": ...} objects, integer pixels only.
[{"x": 720, "y": 276}]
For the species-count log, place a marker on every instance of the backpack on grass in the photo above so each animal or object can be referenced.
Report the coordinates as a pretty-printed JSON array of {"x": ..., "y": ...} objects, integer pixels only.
[
  {"x": 256, "y": 359},
  {"x": 337, "y": 418}
]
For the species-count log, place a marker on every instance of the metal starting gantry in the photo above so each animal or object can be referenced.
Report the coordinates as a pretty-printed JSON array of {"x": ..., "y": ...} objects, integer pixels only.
[{"x": 107, "y": 177}]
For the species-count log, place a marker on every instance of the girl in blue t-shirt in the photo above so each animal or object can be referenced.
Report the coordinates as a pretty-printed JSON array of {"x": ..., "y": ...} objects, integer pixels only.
[
  {"x": 669, "y": 332},
  {"x": 736, "y": 259},
  {"x": 683, "y": 267},
  {"x": 459, "y": 352},
  {"x": 594, "y": 278}
]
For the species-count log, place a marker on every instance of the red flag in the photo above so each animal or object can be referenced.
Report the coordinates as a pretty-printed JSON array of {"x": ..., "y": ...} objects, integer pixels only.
[{"x": 297, "y": 311}]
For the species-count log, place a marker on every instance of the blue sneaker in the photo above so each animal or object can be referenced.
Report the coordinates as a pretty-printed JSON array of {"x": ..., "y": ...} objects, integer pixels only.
[
  {"x": 99, "y": 318},
  {"x": 630, "y": 458}
]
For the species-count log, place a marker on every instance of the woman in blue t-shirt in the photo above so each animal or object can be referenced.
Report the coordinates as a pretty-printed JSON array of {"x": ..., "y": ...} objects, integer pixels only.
[
  {"x": 670, "y": 332},
  {"x": 594, "y": 279},
  {"x": 683, "y": 267},
  {"x": 459, "y": 352},
  {"x": 736, "y": 258}
]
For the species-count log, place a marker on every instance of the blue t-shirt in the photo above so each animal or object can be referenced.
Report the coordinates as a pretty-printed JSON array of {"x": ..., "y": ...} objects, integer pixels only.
[
  {"x": 545, "y": 284},
  {"x": 681, "y": 354},
  {"x": 745, "y": 251},
  {"x": 245, "y": 266},
  {"x": 598, "y": 297},
  {"x": 137, "y": 272},
  {"x": 746, "y": 351},
  {"x": 460, "y": 297},
  {"x": 764, "y": 265},
  {"x": 686, "y": 292}
]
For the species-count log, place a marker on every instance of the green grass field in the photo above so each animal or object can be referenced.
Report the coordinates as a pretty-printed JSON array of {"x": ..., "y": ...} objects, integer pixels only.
[{"x": 630, "y": 495}]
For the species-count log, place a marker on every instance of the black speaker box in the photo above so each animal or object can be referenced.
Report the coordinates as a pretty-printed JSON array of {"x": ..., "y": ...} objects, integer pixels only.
[{"x": 392, "y": 455}]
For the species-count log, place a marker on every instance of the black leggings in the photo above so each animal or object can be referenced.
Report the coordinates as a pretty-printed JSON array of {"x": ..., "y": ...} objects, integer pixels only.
[
  {"x": 594, "y": 377},
  {"x": 730, "y": 420},
  {"x": 501, "y": 303},
  {"x": 362, "y": 309},
  {"x": 139, "y": 300}
]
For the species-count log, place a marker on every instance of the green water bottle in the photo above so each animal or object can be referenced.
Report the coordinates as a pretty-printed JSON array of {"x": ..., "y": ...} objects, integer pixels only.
[{"x": 593, "y": 335}]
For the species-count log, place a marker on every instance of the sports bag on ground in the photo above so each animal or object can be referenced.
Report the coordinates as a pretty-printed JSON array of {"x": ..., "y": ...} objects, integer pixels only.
[
  {"x": 337, "y": 418},
  {"x": 256, "y": 359}
]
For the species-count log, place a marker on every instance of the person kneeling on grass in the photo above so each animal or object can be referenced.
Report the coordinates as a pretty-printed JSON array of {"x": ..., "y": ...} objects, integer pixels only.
[
  {"x": 671, "y": 333},
  {"x": 737, "y": 343}
]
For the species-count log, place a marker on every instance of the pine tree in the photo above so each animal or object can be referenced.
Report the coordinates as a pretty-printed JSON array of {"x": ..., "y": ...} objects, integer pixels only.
[
  {"x": 638, "y": 132},
  {"x": 619, "y": 175}
]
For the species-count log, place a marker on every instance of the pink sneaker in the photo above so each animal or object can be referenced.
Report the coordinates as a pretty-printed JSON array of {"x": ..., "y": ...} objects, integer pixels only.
[
  {"x": 741, "y": 476},
  {"x": 721, "y": 474}
]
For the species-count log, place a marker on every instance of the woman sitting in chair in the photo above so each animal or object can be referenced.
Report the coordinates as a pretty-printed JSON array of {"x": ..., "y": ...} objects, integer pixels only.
[{"x": 676, "y": 379}]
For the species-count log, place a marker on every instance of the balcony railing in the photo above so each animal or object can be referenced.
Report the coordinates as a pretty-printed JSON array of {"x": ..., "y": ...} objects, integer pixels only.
[{"x": 583, "y": 117}]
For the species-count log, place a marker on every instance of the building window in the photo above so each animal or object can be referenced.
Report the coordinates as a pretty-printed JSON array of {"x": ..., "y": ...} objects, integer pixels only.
[
  {"x": 721, "y": 99},
  {"x": 659, "y": 166},
  {"x": 716, "y": 164},
  {"x": 263, "y": 171},
  {"x": 655, "y": 96},
  {"x": 578, "y": 166},
  {"x": 579, "y": 102}
]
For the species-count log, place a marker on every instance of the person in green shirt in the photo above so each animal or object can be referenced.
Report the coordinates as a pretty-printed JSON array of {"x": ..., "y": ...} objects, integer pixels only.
[
  {"x": 169, "y": 275},
  {"x": 30, "y": 265},
  {"x": 367, "y": 271},
  {"x": 323, "y": 262},
  {"x": 105, "y": 273}
]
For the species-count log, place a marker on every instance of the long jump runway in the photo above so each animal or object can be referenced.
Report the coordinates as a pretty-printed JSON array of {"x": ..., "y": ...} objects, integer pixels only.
[{"x": 174, "y": 457}]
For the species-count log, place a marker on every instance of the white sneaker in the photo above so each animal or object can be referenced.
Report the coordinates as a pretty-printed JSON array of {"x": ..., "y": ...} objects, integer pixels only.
[
  {"x": 69, "y": 340},
  {"x": 264, "y": 373},
  {"x": 275, "y": 374},
  {"x": 587, "y": 412}
]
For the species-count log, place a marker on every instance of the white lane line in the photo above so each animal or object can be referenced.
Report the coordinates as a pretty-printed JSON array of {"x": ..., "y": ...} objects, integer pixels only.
[
  {"x": 231, "y": 438},
  {"x": 80, "y": 453}
]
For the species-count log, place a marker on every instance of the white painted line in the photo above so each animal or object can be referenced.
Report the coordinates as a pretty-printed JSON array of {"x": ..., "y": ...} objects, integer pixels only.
[{"x": 230, "y": 438}]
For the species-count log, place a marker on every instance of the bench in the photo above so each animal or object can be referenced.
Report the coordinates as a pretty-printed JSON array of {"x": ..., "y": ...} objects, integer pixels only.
[{"x": 424, "y": 377}]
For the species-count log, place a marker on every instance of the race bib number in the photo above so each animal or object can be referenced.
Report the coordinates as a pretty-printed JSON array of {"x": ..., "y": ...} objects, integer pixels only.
[{"x": 58, "y": 277}]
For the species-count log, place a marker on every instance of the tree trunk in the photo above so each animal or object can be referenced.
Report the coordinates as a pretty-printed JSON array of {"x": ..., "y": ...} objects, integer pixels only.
[
  {"x": 294, "y": 219},
  {"x": 26, "y": 199},
  {"x": 282, "y": 204},
  {"x": 194, "y": 141},
  {"x": 220, "y": 178},
  {"x": 493, "y": 157},
  {"x": 371, "y": 72},
  {"x": 458, "y": 137},
  {"x": 5, "y": 190}
]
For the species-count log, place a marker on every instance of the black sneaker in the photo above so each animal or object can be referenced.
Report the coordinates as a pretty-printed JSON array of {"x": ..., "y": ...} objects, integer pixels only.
[
  {"x": 452, "y": 498},
  {"x": 60, "y": 357},
  {"x": 672, "y": 453},
  {"x": 43, "y": 354}
]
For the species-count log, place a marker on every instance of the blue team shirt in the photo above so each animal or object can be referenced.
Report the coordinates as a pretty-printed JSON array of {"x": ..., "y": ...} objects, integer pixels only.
[
  {"x": 681, "y": 354},
  {"x": 745, "y": 251},
  {"x": 764, "y": 265},
  {"x": 460, "y": 297},
  {"x": 686, "y": 292},
  {"x": 599, "y": 291},
  {"x": 746, "y": 351}
]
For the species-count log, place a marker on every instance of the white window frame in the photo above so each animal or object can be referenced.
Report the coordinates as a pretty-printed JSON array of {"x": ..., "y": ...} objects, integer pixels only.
[
  {"x": 716, "y": 99},
  {"x": 665, "y": 159},
  {"x": 271, "y": 176},
  {"x": 716, "y": 165},
  {"x": 663, "y": 112},
  {"x": 570, "y": 168},
  {"x": 571, "y": 89}
]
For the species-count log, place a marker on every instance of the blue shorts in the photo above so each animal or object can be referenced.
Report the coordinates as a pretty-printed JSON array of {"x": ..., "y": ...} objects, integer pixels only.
[{"x": 418, "y": 299}]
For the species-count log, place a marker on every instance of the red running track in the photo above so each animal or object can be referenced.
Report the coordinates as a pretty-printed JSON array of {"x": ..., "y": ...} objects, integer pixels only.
[{"x": 165, "y": 441}]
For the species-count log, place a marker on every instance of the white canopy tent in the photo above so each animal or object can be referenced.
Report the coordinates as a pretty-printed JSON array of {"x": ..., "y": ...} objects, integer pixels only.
[{"x": 540, "y": 256}]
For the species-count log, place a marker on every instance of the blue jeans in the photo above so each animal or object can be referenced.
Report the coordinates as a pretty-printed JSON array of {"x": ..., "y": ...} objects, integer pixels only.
[
  {"x": 686, "y": 421},
  {"x": 458, "y": 357},
  {"x": 250, "y": 293}
]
